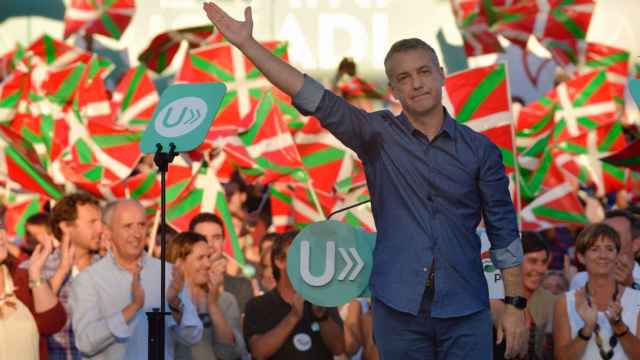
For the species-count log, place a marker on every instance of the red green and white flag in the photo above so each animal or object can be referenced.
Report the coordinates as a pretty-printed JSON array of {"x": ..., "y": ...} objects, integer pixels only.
[
  {"x": 614, "y": 61},
  {"x": 246, "y": 85},
  {"x": 586, "y": 103},
  {"x": 474, "y": 28},
  {"x": 628, "y": 157},
  {"x": 135, "y": 99},
  {"x": 105, "y": 17},
  {"x": 205, "y": 194},
  {"x": 10, "y": 60},
  {"x": 360, "y": 216},
  {"x": 164, "y": 46},
  {"x": 556, "y": 207},
  {"x": 18, "y": 211},
  {"x": 580, "y": 156},
  {"x": 479, "y": 98},
  {"x": 19, "y": 163},
  {"x": 331, "y": 165},
  {"x": 56, "y": 54},
  {"x": 269, "y": 143},
  {"x": 295, "y": 204},
  {"x": 560, "y": 25}
]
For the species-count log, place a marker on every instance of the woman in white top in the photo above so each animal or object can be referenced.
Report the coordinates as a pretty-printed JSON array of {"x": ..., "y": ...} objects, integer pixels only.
[{"x": 599, "y": 320}]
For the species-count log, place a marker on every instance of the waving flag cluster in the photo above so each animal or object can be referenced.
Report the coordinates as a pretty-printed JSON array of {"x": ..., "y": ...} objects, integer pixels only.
[{"x": 63, "y": 128}]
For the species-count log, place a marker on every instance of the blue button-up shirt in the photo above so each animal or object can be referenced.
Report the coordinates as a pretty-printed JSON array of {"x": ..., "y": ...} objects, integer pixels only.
[
  {"x": 427, "y": 199},
  {"x": 98, "y": 295}
]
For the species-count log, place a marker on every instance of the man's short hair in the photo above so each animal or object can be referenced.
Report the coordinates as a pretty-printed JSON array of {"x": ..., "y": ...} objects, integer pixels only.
[
  {"x": 205, "y": 218},
  {"x": 533, "y": 242},
  {"x": 39, "y": 219},
  {"x": 67, "y": 210},
  {"x": 110, "y": 208},
  {"x": 408, "y": 45},
  {"x": 279, "y": 249},
  {"x": 594, "y": 232}
]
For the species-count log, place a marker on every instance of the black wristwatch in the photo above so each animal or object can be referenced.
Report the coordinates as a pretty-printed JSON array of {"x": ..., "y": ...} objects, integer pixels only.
[{"x": 518, "y": 302}]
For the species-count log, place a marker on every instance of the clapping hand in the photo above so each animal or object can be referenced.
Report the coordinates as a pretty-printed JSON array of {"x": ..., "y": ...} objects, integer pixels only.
[
  {"x": 38, "y": 259},
  {"x": 215, "y": 274},
  {"x": 588, "y": 312},
  {"x": 177, "y": 283}
]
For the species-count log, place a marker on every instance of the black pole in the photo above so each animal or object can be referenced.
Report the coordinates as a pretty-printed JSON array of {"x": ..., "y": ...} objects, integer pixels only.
[
  {"x": 156, "y": 318},
  {"x": 348, "y": 207}
]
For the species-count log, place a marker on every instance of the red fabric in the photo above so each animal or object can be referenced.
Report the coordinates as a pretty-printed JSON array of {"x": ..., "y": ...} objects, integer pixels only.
[{"x": 48, "y": 322}]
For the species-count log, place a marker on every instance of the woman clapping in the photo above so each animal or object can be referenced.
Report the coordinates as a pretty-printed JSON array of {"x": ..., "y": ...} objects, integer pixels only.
[{"x": 600, "y": 320}]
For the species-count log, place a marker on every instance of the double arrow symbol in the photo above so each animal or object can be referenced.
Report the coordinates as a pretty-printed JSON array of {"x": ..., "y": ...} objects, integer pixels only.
[
  {"x": 329, "y": 264},
  {"x": 349, "y": 265}
]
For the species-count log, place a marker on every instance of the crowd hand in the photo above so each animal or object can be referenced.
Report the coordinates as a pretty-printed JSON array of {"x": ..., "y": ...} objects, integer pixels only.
[
  {"x": 568, "y": 269},
  {"x": 513, "y": 329},
  {"x": 297, "y": 306},
  {"x": 137, "y": 291},
  {"x": 68, "y": 252},
  {"x": 614, "y": 312},
  {"x": 177, "y": 282},
  {"x": 38, "y": 258},
  {"x": 588, "y": 313},
  {"x": 236, "y": 32},
  {"x": 216, "y": 276},
  {"x": 624, "y": 270},
  {"x": 3, "y": 245}
]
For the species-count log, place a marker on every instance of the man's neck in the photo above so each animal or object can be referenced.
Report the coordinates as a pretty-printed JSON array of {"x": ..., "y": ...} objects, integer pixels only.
[
  {"x": 127, "y": 264},
  {"x": 82, "y": 259},
  {"x": 428, "y": 123}
]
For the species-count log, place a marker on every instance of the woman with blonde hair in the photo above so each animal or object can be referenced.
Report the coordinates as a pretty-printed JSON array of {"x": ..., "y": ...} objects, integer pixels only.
[
  {"x": 204, "y": 272},
  {"x": 600, "y": 320}
]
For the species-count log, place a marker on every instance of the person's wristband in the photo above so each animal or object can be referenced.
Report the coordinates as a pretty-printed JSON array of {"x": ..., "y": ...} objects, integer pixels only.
[
  {"x": 35, "y": 283},
  {"x": 582, "y": 336},
  {"x": 625, "y": 332}
]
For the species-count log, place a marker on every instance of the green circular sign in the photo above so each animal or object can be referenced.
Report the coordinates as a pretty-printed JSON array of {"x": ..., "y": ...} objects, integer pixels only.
[{"x": 329, "y": 263}]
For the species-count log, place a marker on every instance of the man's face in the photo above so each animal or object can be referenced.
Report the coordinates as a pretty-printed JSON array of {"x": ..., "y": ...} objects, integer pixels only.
[
  {"x": 554, "y": 284},
  {"x": 534, "y": 266},
  {"x": 623, "y": 227},
  {"x": 213, "y": 233},
  {"x": 85, "y": 232},
  {"x": 127, "y": 229},
  {"x": 416, "y": 81}
]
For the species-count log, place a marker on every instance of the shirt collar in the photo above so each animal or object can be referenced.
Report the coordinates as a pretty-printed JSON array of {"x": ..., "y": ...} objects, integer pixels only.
[
  {"x": 142, "y": 261},
  {"x": 448, "y": 124}
]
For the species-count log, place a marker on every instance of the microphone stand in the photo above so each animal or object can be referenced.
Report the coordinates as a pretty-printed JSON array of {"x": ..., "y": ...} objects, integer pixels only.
[{"x": 156, "y": 317}]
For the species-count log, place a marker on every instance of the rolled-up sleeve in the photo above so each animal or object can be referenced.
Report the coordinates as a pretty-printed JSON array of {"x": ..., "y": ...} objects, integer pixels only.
[
  {"x": 498, "y": 210},
  {"x": 189, "y": 331},
  {"x": 93, "y": 331}
]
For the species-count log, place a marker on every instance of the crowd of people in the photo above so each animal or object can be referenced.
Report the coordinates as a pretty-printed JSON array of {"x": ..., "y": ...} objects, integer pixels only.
[{"x": 80, "y": 282}]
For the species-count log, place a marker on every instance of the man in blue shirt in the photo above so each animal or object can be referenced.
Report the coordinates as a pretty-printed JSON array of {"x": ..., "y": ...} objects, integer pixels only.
[{"x": 431, "y": 180}]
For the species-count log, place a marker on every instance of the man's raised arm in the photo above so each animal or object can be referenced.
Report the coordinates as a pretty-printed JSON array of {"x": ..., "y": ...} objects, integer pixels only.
[{"x": 239, "y": 33}]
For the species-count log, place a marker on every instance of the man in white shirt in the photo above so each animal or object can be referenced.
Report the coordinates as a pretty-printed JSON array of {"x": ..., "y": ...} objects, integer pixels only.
[{"x": 110, "y": 298}]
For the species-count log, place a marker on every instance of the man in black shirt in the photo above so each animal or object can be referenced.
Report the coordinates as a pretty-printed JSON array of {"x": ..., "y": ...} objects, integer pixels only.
[{"x": 281, "y": 325}]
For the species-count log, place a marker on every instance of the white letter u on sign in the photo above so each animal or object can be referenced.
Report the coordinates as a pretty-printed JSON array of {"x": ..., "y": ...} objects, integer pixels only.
[{"x": 329, "y": 267}]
